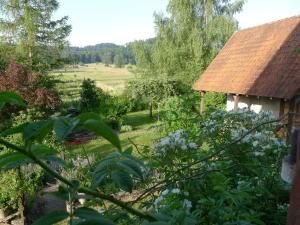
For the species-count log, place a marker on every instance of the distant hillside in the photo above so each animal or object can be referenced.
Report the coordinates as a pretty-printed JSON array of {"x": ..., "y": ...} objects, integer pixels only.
[{"x": 104, "y": 52}]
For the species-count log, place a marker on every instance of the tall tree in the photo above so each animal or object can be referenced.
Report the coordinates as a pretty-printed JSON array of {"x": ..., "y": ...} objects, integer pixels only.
[
  {"x": 28, "y": 25},
  {"x": 189, "y": 38},
  {"x": 118, "y": 60}
]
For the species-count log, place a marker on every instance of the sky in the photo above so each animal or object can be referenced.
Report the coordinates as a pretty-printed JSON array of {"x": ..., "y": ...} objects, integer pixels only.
[{"x": 123, "y": 21}]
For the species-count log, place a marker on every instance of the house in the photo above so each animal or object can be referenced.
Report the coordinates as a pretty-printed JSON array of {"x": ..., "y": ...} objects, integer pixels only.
[{"x": 258, "y": 68}]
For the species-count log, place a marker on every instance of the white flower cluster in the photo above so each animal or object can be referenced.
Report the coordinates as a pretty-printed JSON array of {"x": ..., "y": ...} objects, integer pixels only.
[
  {"x": 186, "y": 204},
  {"x": 259, "y": 141},
  {"x": 237, "y": 122},
  {"x": 174, "y": 141}
]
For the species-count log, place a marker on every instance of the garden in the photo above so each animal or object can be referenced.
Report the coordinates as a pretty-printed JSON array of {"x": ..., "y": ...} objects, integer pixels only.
[
  {"x": 113, "y": 135},
  {"x": 189, "y": 168}
]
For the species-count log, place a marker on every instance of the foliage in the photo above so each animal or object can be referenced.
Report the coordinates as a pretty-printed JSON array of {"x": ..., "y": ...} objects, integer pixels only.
[
  {"x": 118, "y": 61},
  {"x": 13, "y": 185},
  {"x": 38, "y": 38},
  {"x": 246, "y": 168},
  {"x": 126, "y": 128},
  {"x": 187, "y": 39},
  {"x": 215, "y": 101},
  {"x": 179, "y": 113},
  {"x": 213, "y": 174},
  {"x": 30, "y": 86},
  {"x": 104, "y": 52},
  {"x": 90, "y": 96},
  {"x": 152, "y": 91}
]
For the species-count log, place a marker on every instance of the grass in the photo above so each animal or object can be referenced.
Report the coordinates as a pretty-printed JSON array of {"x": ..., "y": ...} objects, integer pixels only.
[
  {"x": 144, "y": 133},
  {"x": 110, "y": 79}
]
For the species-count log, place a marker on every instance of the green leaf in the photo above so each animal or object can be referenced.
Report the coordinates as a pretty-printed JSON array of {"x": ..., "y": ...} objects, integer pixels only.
[
  {"x": 64, "y": 126},
  {"x": 123, "y": 180},
  {"x": 104, "y": 164},
  {"x": 132, "y": 168},
  {"x": 298, "y": 50},
  {"x": 37, "y": 130},
  {"x": 94, "y": 123},
  {"x": 10, "y": 97},
  {"x": 91, "y": 216},
  {"x": 98, "y": 178},
  {"x": 88, "y": 116},
  {"x": 13, "y": 159},
  {"x": 13, "y": 130},
  {"x": 129, "y": 150},
  {"x": 56, "y": 160},
  {"x": 52, "y": 218}
]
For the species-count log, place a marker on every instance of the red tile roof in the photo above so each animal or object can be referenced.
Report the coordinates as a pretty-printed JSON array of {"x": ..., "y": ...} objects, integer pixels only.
[{"x": 259, "y": 61}]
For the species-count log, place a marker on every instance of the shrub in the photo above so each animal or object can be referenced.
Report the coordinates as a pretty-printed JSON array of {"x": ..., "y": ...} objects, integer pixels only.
[
  {"x": 215, "y": 101},
  {"x": 126, "y": 128},
  {"x": 240, "y": 168},
  {"x": 153, "y": 91},
  {"x": 179, "y": 113},
  {"x": 18, "y": 79},
  {"x": 90, "y": 96}
]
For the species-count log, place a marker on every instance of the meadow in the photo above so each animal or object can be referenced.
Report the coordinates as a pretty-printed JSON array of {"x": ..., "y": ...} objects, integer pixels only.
[{"x": 108, "y": 78}]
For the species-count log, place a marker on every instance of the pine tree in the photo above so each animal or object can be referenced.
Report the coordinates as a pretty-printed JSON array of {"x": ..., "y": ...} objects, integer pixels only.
[{"x": 28, "y": 25}]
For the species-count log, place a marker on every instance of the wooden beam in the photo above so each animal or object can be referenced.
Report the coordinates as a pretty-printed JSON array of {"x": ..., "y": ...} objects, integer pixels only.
[
  {"x": 202, "y": 102},
  {"x": 236, "y": 99},
  {"x": 290, "y": 120},
  {"x": 281, "y": 108}
]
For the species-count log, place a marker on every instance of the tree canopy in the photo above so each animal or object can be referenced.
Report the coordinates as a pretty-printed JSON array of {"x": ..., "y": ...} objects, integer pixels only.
[
  {"x": 29, "y": 27},
  {"x": 188, "y": 38}
]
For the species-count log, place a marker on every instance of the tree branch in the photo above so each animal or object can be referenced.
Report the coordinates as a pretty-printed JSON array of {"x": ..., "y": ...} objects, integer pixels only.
[{"x": 81, "y": 189}]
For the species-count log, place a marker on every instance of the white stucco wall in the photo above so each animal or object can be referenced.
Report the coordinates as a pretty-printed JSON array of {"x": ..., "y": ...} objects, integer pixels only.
[{"x": 255, "y": 104}]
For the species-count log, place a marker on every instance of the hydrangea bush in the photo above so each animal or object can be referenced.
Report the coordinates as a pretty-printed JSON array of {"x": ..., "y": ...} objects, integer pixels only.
[{"x": 226, "y": 166}]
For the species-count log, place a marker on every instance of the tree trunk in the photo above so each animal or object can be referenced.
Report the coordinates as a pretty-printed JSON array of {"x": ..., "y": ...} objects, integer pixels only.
[{"x": 150, "y": 109}]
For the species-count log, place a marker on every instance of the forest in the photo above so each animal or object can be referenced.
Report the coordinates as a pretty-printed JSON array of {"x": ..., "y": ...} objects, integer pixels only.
[{"x": 112, "y": 134}]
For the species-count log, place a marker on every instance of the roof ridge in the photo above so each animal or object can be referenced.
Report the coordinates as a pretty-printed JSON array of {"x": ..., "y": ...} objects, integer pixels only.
[{"x": 269, "y": 23}]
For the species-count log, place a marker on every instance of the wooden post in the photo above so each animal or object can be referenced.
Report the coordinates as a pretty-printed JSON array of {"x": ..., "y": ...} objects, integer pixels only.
[
  {"x": 202, "y": 103},
  {"x": 290, "y": 120},
  {"x": 294, "y": 208},
  {"x": 236, "y": 102},
  {"x": 281, "y": 110}
]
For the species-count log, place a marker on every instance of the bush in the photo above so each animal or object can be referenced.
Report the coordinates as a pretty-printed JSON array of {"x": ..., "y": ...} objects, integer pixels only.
[
  {"x": 234, "y": 176},
  {"x": 179, "y": 113},
  {"x": 215, "y": 101},
  {"x": 126, "y": 128},
  {"x": 17, "y": 78},
  {"x": 90, "y": 96}
]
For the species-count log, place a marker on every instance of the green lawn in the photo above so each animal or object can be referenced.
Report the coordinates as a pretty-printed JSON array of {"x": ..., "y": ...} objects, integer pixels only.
[{"x": 144, "y": 133}]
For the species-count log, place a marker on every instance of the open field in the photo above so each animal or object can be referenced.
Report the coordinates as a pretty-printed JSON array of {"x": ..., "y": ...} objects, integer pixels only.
[{"x": 110, "y": 79}]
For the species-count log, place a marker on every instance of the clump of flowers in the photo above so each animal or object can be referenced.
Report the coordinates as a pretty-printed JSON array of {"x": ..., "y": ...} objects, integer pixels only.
[
  {"x": 176, "y": 141},
  {"x": 173, "y": 199},
  {"x": 260, "y": 141}
]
